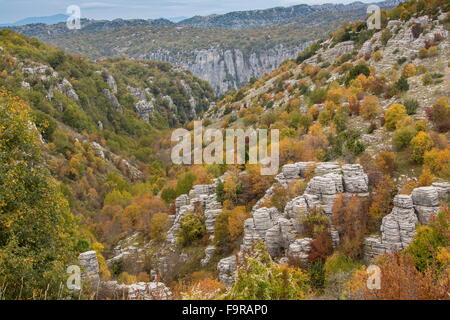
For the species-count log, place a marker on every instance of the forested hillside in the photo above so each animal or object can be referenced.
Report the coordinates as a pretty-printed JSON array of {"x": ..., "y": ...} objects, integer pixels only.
[
  {"x": 96, "y": 128},
  {"x": 364, "y": 175}
]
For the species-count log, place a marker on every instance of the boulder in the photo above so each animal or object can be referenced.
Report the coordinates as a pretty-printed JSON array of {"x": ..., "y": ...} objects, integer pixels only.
[
  {"x": 403, "y": 201},
  {"x": 210, "y": 221},
  {"x": 210, "y": 251},
  {"x": 327, "y": 167},
  {"x": 426, "y": 196},
  {"x": 90, "y": 270}
]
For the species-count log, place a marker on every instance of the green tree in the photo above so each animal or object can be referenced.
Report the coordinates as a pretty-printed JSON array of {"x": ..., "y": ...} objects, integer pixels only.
[
  {"x": 37, "y": 229},
  {"x": 428, "y": 241},
  {"x": 192, "y": 228},
  {"x": 259, "y": 278},
  {"x": 185, "y": 184},
  {"x": 220, "y": 191}
]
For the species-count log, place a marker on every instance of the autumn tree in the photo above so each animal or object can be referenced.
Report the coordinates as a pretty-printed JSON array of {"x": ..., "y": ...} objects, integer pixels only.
[
  {"x": 381, "y": 202},
  {"x": 394, "y": 115},
  {"x": 350, "y": 220},
  {"x": 420, "y": 144},
  {"x": 400, "y": 280},
  {"x": 192, "y": 228},
  {"x": 370, "y": 108},
  {"x": 386, "y": 162},
  {"x": 158, "y": 226},
  {"x": 438, "y": 162},
  {"x": 439, "y": 114}
]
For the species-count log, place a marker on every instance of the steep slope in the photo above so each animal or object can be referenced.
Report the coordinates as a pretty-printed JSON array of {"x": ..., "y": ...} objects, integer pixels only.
[
  {"x": 364, "y": 150},
  {"x": 99, "y": 123}
]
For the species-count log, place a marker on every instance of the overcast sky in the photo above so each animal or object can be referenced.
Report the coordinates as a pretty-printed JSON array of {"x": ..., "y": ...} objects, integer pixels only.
[{"x": 13, "y": 10}]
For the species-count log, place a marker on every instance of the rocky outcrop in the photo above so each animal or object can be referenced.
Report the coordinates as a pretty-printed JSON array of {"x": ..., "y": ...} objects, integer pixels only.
[
  {"x": 128, "y": 247},
  {"x": 231, "y": 68},
  {"x": 426, "y": 202},
  {"x": 136, "y": 291},
  {"x": 282, "y": 232},
  {"x": 331, "y": 53},
  {"x": 126, "y": 167},
  {"x": 112, "y": 99},
  {"x": 227, "y": 69},
  {"x": 65, "y": 87},
  {"x": 144, "y": 106},
  {"x": 300, "y": 249},
  {"x": 90, "y": 271},
  {"x": 111, "y": 82},
  {"x": 226, "y": 269},
  {"x": 210, "y": 251},
  {"x": 205, "y": 196},
  {"x": 140, "y": 290},
  {"x": 399, "y": 227}
]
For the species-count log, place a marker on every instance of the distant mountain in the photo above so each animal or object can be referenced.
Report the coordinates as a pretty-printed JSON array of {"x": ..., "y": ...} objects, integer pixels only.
[
  {"x": 277, "y": 16},
  {"x": 177, "y": 19},
  {"x": 225, "y": 58},
  {"x": 57, "y": 18}
]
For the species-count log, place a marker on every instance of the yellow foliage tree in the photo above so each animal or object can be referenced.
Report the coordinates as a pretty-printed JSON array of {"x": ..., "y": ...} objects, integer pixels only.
[
  {"x": 438, "y": 162},
  {"x": 409, "y": 70},
  {"x": 421, "y": 143},
  {"x": 393, "y": 115}
]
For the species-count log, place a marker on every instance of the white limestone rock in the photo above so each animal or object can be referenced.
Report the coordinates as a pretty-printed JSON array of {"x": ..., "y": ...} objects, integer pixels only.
[
  {"x": 226, "y": 269},
  {"x": 263, "y": 221},
  {"x": 210, "y": 251},
  {"x": 90, "y": 271},
  {"x": 355, "y": 180},
  {"x": 373, "y": 247},
  {"x": 141, "y": 290},
  {"x": 210, "y": 221},
  {"x": 403, "y": 201},
  {"x": 112, "y": 99},
  {"x": 181, "y": 201},
  {"x": 300, "y": 249},
  {"x": 327, "y": 167},
  {"x": 291, "y": 171},
  {"x": 426, "y": 196},
  {"x": 443, "y": 189},
  {"x": 202, "y": 189},
  {"x": 425, "y": 213}
]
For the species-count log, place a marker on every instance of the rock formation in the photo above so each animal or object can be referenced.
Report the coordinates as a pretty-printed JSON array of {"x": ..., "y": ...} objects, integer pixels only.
[
  {"x": 136, "y": 291},
  {"x": 282, "y": 232},
  {"x": 398, "y": 228}
]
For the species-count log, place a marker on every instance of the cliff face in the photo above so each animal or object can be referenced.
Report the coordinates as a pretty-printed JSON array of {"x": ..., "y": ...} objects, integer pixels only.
[{"x": 227, "y": 69}]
